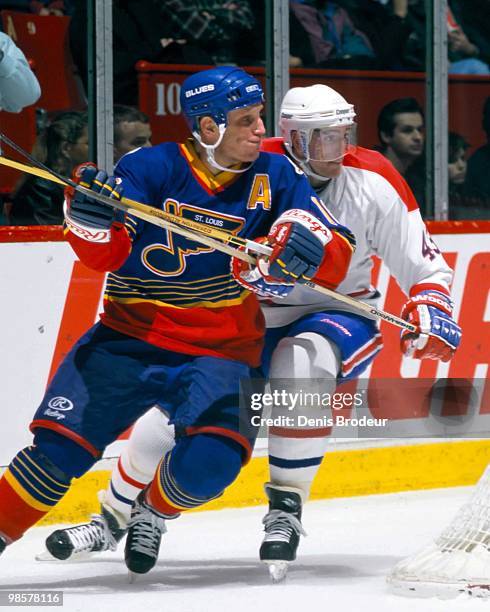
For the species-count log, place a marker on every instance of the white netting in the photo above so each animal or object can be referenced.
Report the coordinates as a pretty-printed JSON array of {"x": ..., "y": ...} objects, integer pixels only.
[{"x": 459, "y": 559}]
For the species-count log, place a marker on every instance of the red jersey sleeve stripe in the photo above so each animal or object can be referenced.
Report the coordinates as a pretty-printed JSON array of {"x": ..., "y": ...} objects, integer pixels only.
[{"x": 366, "y": 159}]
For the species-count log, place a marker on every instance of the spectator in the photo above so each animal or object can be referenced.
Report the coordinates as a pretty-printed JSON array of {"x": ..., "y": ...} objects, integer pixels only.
[
  {"x": 140, "y": 32},
  {"x": 48, "y": 7},
  {"x": 463, "y": 53},
  {"x": 457, "y": 166},
  {"x": 402, "y": 138},
  {"x": 218, "y": 27},
  {"x": 411, "y": 33},
  {"x": 300, "y": 51},
  {"x": 63, "y": 145},
  {"x": 18, "y": 85},
  {"x": 385, "y": 29},
  {"x": 478, "y": 175},
  {"x": 39, "y": 7},
  {"x": 334, "y": 40},
  {"x": 462, "y": 204},
  {"x": 131, "y": 130},
  {"x": 474, "y": 18}
]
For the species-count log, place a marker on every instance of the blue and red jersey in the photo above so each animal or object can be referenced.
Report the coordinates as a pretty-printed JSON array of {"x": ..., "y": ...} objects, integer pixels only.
[{"x": 179, "y": 294}]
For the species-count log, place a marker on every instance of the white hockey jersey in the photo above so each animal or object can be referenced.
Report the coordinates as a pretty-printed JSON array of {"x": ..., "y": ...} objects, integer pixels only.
[{"x": 373, "y": 200}]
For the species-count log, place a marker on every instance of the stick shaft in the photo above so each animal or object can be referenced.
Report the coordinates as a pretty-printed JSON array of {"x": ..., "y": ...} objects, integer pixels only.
[
  {"x": 144, "y": 212},
  {"x": 207, "y": 235}
]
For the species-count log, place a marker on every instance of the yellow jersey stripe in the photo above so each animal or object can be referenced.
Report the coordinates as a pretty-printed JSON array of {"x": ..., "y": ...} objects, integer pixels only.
[
  {"x": 203, "y": 304},
  {"x": 181, "y": 284},
  {"x": 212, "y": 181}
]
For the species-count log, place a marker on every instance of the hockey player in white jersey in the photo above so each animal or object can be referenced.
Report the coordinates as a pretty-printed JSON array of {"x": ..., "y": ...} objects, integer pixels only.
[
  {"x": 325, "y": 339},
  {"x": 310, "y": 336}
]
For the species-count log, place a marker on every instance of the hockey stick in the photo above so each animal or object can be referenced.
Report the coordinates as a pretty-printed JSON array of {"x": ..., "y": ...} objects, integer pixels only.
[
  {"x": 198, "y": 232},
  {"x": 146, "y": 213}
]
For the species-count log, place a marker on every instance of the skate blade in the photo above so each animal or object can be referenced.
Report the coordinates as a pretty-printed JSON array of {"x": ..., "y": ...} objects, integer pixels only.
[
  {"x": 278, "y": 570},
  {"x": 132, "y": 577}
]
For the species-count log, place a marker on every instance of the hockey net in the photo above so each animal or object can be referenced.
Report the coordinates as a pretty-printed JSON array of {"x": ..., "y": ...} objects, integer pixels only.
[{"x": 459, "y": 559}]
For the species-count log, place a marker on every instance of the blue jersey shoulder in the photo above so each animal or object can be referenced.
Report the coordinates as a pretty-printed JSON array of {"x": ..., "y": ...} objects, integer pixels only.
[
  {"x": 145, "y": 172},
  {"x": 156, "y": 156}
]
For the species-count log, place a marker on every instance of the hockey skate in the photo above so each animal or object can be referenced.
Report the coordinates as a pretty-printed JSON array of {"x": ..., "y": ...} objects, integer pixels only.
[
  {"x": 282, "y": 526},
  {"x": 104, "y": 532},
  {"x": 145, "y": 529}
]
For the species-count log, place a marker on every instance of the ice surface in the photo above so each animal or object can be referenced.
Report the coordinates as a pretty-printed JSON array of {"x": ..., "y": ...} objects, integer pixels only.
[{"x": 209, "y": 561}]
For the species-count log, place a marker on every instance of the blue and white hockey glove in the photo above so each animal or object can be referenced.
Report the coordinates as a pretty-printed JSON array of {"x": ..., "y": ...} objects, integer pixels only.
[
  {"x": 257, "y": 279},
  {"x": 438, "y": 335},
  {"x": 298, "y": 240},
  {"x": 85, "y": 211}
]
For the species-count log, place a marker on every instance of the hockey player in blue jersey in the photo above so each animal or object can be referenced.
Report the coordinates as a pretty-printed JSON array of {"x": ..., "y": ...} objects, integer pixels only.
[{"x": 180, "y": 325}]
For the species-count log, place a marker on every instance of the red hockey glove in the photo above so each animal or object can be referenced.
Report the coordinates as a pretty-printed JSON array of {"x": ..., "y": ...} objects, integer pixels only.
[
  {"x": 256, "y": 278},
  {"x": 298, "y": 240},
  {"x": 438, "y": 335}
]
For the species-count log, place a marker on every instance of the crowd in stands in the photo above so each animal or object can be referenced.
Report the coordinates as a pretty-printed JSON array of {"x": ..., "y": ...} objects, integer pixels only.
[
  {"x": 369, "y": 34},
  {"x": 345, "y": 34},
  {"x": 38, "y": 7},
  {"x": 402, "y": 138},
  {"x": 469, "y": 180},
  {"x": 62, "y": 145}
]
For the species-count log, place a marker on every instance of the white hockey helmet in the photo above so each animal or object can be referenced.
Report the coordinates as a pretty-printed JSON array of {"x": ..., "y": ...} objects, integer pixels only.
[{"x": 315, "y": 108}]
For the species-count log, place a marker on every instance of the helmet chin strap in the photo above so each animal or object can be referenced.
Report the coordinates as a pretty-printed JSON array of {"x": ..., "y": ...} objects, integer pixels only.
[
  {"x": 304, "y": 164},
  {"x": 210, "y": 149},
  {"x": 307, "y": 169}
]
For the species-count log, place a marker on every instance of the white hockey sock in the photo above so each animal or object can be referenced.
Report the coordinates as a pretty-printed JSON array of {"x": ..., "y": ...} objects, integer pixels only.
[
  {"x": 294, "y": 461},
  {"x": 151, "y": 438}
]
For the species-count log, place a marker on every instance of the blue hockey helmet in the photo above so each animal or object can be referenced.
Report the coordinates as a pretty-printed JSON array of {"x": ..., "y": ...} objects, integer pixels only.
[{"x": 216, "y": 92}]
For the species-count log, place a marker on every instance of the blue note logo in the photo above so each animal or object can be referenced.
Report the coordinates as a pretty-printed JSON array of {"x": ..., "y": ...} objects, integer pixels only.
[
  {"x": 170, "y": 257},
  {"x": 58, "y": 405}
]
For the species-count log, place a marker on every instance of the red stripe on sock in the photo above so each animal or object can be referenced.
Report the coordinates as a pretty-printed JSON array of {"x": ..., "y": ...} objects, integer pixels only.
[
  {"x": 154, "y": 498},
  {"x": 128, "y": 479}
]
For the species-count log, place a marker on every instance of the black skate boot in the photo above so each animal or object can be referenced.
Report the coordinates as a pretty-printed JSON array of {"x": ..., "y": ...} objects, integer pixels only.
[
  {"x": 102, "y": 533},
  {"x": 145, "y": 529},
  {"x": 282, "y": 526}
]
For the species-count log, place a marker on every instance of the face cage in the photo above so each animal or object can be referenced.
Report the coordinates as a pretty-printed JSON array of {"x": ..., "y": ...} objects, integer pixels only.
[{"x": 325, "y": 149}]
